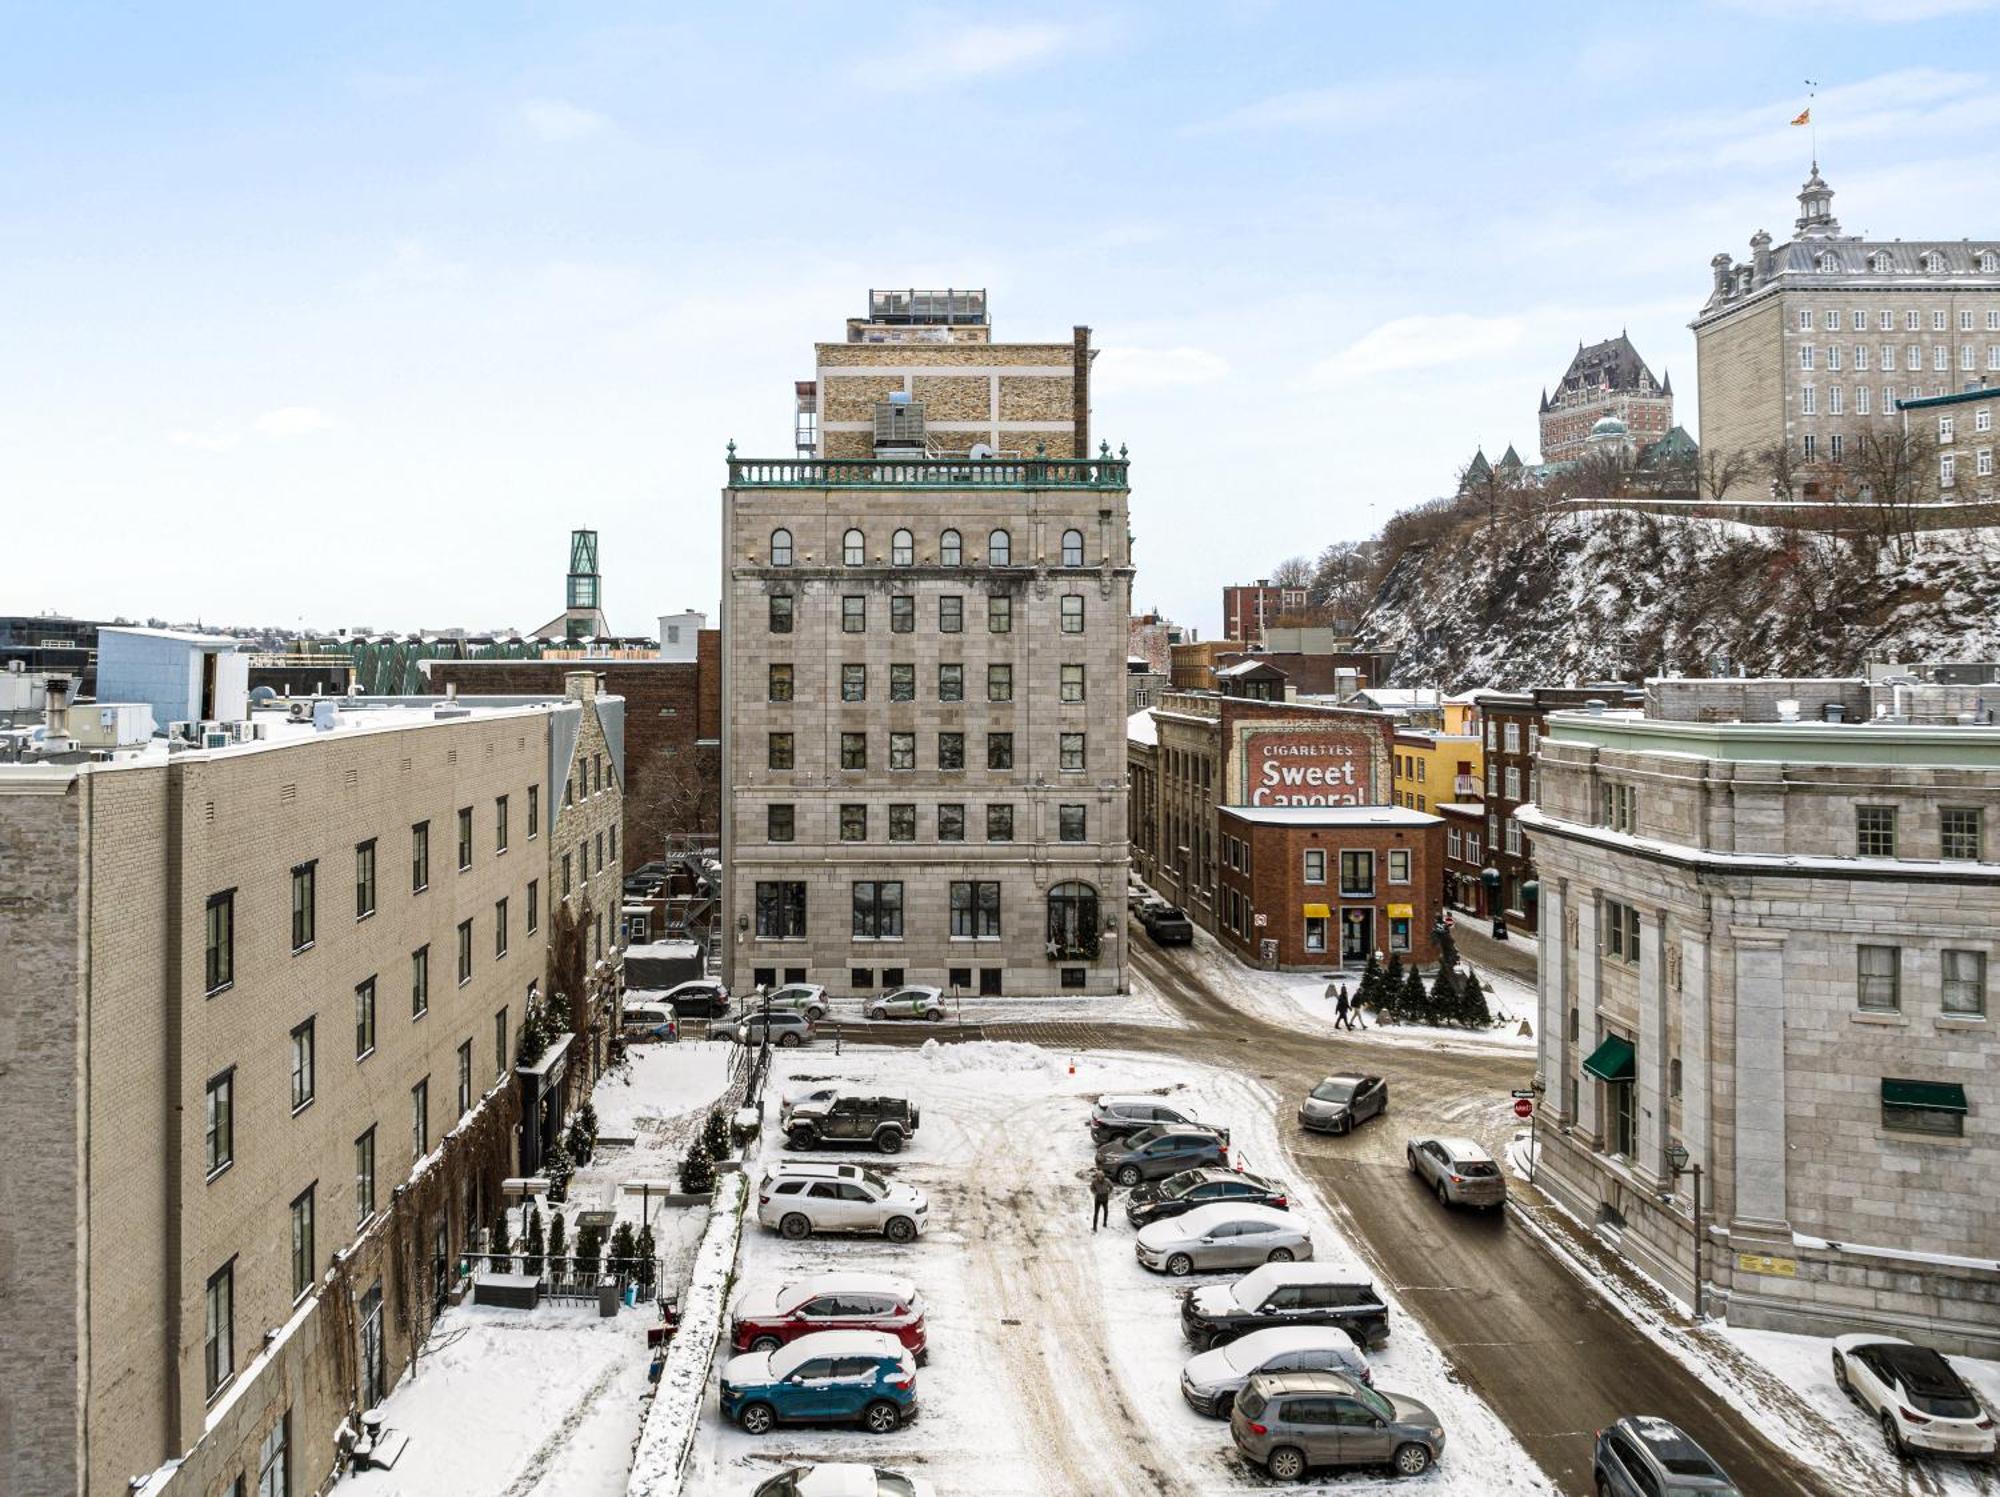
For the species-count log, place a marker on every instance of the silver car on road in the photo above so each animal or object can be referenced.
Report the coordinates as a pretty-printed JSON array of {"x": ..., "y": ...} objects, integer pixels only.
[
  {"x": 1458, "y": 1169},
  {"x": 1225, "y": 1235}
]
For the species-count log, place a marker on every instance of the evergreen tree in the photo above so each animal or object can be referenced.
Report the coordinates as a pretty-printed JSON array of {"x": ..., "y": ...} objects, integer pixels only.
[
  {"x": 647, "y": 1253},
  {"x": 1393, "y": 978},
  {"x": 531, "y": 1244},
  {"x": 1370, "y": 991},
  {"x": 586, "y": 1117},
  {"x": 1472, "y": 1002},
  {"x": 577, "y": 1141},
  {"x": 1416, "y": 1002},
  {"x": 559, "y": 1167},
  {"x": 558, "y": 1236},
  {"x": 698, "y": 1169},
  {"x": 715, "y": 1134},
  {"x": 1444, "y": 996},
  {"x": 623, "y": 1247},
  {"x": 500, "y": 1245},
  {"x": 589, "y": 1249}
]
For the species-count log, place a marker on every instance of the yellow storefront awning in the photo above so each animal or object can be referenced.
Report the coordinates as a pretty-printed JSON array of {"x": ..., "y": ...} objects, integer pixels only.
[
  {"x": 1318, "y": 912},
  {"x": 1402, "y": 912}
]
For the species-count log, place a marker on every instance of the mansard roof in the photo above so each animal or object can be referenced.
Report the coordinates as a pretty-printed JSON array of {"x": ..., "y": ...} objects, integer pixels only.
[{"x": 1614, "y": 361}]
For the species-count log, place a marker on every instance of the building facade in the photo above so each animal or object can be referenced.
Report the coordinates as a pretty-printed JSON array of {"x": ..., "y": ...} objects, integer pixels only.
[
  {"x": 1809, "y": 345},
  {"x": 1433, "y": 768},
  {"x": 1958, "y": 429},
  {"x": 1604, "y": 380},
  {"x": 1191, "y": 666},
  {"x": 1767, "y": 944},
  {"x": 1248, "y": 609}
]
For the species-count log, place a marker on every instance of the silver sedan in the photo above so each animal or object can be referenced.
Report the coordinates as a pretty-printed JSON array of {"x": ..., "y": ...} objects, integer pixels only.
[
  {"x": 1225, "y": 1235},
  {"x": 1459, "y": 1170}
]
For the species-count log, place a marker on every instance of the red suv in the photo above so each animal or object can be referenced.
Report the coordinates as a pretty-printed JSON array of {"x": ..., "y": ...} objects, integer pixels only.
[{"x": 771, "y": 1312}]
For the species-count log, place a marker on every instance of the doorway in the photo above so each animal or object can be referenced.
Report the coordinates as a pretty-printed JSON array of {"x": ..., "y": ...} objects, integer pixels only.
[{"x": 1357, "y": 934}]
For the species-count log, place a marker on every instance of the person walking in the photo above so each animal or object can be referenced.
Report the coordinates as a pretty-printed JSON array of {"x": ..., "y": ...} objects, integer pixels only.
[
  {"x": 1100, "y": 1194},
  {"x": 1342, "y": 1014}
]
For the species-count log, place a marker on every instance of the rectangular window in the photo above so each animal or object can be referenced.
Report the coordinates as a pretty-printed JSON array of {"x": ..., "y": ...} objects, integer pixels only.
[
  {"x": 464, "y": 952},
  {"x": 499, "y": 928},
  {"x": 420, "y": 857},
  {"x": 1983, "y": 462},
  {"x": 1451, "y": 842},
  {"x": 1915, "y": 358},
  {"x": 1070, "y": 755},
  {"x": 1806, "y": 356},
  {"x": 364, "y": 880},
  {"x": 1805, "y": 319},
  {"x": 1913, "y": 320},
  {"x": 1809, "y": 400},
  {"x": 1875, "y": 831},
  {"x": 1620, "y": 806},
  {"x": 1860, "y": 358},
  {"x": 1964, "y": 994},
  {"x": 975, "y": 911},
  {"x": 1621, "y": 932},
  {"x": 1070, "y": 824},
  {"x": 1946, "y": 428},
  {"x": 1399, "y": 933},
  {"x": 853, "y": 750},
  {"x": 1879, "y": 979},
  {"x": 951, "y": 682},
  {"x": 1918, "y": 1107},
  {"x": 902, "y": 751},
  {"x": 778, "y": 683},
  {"x": 902, "y": 683},
  {"x": 951, "y": 823},
  {"x": 1961, "y": 833},
  {"x": 781, "y": 911},
  {"x": 781, "y": 613},
  {"x": 534, "y": 905},
  {"x": 1833, "y": 357},
  {"x": 902, "y": 822},
  {"x": 999, "y": 683},
  {"x": 1512, "y": 780},
  {"x": 500, "y": 823},
  {"x": 420, "y": 1119},
  {"x": 1947, "y": 470},
  {"x": 304, "y": 1263},
  {"x": 500, "y": 1039},
  {"x": 951, "y": 614},
  {"x": 1072, "y": 683},
  {"x": 218, "y": 1342},
  {"x": 364, "y": 1019},
  {"x": 1399, "y": 865},
  {"x": 1315, "y": 933},
  {"x": 1000, "y": 823},
  {"x": 854, "y": 683},
  {"x": 999, "y": 750},
  {"x": 534, "y": 811},
  {"x": 305, "y": 902},
  {"x": 878, "y": 910},
  {"x": 1940, "y": 358},
  {"x": 1072, "y": 613},
  {"x": 999, "y": 614},
  {"x": 567, "y": 864},
  {"x": 1315, "y": 870},
  {"x": 1357, "y": 873},
  {"x": 779, "y": 823},
  {"x": 902, "y": 614},
  {"x": 465, "y": 838},
  {"x": 219, "y": 954},
  {"x": 274, "y": 1459},
  {"x": 951, "y": 751},
  {"x": 364, "y": 1177},
  {"x": 303, "y": 1065},
  {"x": 853, "y": 823},
  {"x": 1835, "y": 406},
  {"x": 220, "y": 1131},
  {"x": 465, "y": 1078},
  {"x": 778, "y": 753},
  {"x": 1982, "y": 419},
  {"x": 420, "y": 982},
  {"x": 853, "y": 614}
]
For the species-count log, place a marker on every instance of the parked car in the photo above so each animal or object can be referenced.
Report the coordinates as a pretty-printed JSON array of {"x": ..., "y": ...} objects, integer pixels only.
[
  {"x": 771, "y": 1312},
  {"x": 1323, "y": 1294},
  {"x": 797, "y": 1206},
  {"x": 814, "y": 1097},
  {"x": 1643, "y": 1456},
  {"x": 807, "y": 998},
  {"x": 1211, "y": 1380},
  {"x": 909, "y": 1003},
  {"x": 828, "y": 1377},
  {"x": 1203, "y": 1187},
  {"x": 1159, "y": 1151},
  {"x": 1459, "y": 1170},
  {"x": 812, "y": 1169},
  {"x": 1293, "y": 1422},
  {"x": 786, "y": 1029},
  {"x": 1338, "y": 1103},
  {"x": 702, "y": 998},
  {"x": 1120, "y": 1117},
  {"x": 1228, "y": 1234},
  {"x": 884, "y": 1123},
  {"x": 649, "y": 1021},
  {"x": 842, "y": 1479},
  {"x": 1168, "y": 927},
  {"x": 1915, "y": 1395}
]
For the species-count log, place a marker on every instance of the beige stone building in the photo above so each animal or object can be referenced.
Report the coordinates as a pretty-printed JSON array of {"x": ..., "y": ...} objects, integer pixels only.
[
  {"x": 1767, "y": 939},
  {"x": 258, "y": 1026},
  {"x": 1811, "y": 343},
  {"x": 924, "y": 666}
]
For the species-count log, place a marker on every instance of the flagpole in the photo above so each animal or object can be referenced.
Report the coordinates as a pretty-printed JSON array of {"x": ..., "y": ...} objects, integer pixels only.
[{"x": 1812, "y": 97}]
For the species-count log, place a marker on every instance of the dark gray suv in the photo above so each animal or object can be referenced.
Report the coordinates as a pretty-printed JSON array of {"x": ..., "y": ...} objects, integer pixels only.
[
  {"x": 1291, "y": 1422},
  {"x": 1154, "y": 1153}
]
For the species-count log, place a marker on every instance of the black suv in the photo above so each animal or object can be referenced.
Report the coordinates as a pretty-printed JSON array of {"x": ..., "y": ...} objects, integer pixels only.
[
  {"x": 883, "y": 1122},
  {"x": 1168, "y": 927},
  {"x": 1204, "y": 1187},
  {"x": 1162, "y": 1150},
  {"x": 1285, "y": 1294}
]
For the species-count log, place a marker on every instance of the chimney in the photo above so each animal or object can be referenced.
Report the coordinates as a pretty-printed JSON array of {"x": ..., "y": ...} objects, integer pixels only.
[
  {"x": 55, "y": 707},
  {"x": 451, "y": 691}
]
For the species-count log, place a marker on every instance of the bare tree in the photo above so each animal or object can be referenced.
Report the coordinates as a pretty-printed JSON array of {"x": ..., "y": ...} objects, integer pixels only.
[
  {"x": 1892, "y": 472},
  {"x": 678, "y": 793},
  {"x": 1780, "y": 465},
  {"x": 1293, "y": 571},
  {"x": 1721, "y": 471}
]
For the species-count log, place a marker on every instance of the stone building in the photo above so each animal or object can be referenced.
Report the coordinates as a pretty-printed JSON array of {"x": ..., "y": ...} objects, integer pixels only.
[
  {"x": 262, "y": 1011},
  {"x": 1605, "y": 381},
  {"x": 1248, "y": 609},
  {"x": 1811, "y": 343},
  {"x": 924, "y": 662},
  {"x": 1768, "y": 924},
  {"x": 1959, "y": 430}
]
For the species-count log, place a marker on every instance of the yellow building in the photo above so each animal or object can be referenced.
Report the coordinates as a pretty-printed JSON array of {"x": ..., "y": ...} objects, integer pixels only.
[{"x": 1432, "y": 769}]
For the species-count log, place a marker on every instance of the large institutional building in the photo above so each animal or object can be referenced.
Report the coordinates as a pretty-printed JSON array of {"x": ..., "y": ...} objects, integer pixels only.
[
  {"x": 1605, "y": 381},
  {"x": 1767, "y": 945},
  {"x": 924, "y": 660}
]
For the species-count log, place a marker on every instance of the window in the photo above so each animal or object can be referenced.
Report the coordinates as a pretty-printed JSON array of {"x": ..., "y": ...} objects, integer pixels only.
[
  {"x": 1399, "y": 865},
  {"x": 420, "y": 1119},
  {"x": 951, "y": 614},
  {"x": 975, "y": 911},
  {"x": 1914, "y": 361},
  {"x": 1399, "y": 933},
  {"x": 854, "y": 549},
  {"x": 1835, "y": 405},
  {"x": 364, "y": 1019},
  {"x": 420, "y": 855},
  {"x": 500, "y": 823},
  {"x": 465, "y": 1078},
  {"x": 364, "y": 879},
  {"x": 567, "y": 859},
  {"x": 1070, "y": 824},
  {"x": 1875, "y": 831},
  {"x": 1964, "y": 993},
  {"x": 1937, "y": 315},
  {"x": 464, "y": 952},
  {"x": 1968, "y": 357},
  {"x": 902, "y": 549},
  {"x": 853, "y": 823},
  {"x": 999, "y": 549},
  {"x": 1806, "y": 356},
  {"x": 535, "y": 904},
  {"x": 534, "y": 811},
  {"x": 302, "y": 1065},
  {"x": 878, "y": 911},
  {"x": 1913, "y": 319},
  {"x": 902, "y": 751},
  {"x": 951, "y": 682},
  {"x": 1947, "y": 470},
  {"x": 220, "y": 1128},
  {"x": 219, "y": 955},
  {"x": 1072, "y": 683},
  {"x": 1069, "y": 751},
  {"x": 778, "y": 751},
  {"x": 274, "y": 1463},
  {"x": 500, "y": 924},
  {"x": 1862, "y": 399},
  {"x": 854, "y": 683},
  {"x": 1961, "y": 832},
  {"x": 902, "y": 614},
  {"x": 1315, "y": 933},
  {"x": 1982, "y": 419},
  {"x": 902, "y": 822},
  {"x": 951, "y": 751},
  {"x": 1512, "y": 781},
  {"x": 780, "y": 682},
  {"x": 781, "y": 911},
  {"x": 1620, "y": 805},
  {"x": 1928, "y": 1107},
  {"x": 1072, "y": 548},
  {"x": 1451, "y": 842},
  {"x": 853, "y": 614},
  {"x": 303, "y": 1261},
  {"x": 1809, "y": 400},
  {"x": 999, "y": 683},
  {"x": 1514, "y": 848},
  {"x": 951, "y": 823},
  {"x": 1357, "y": 873},
  {"x": 781, "y": 548},
  {"x": 420, "y": 982},
  {"x": 781, "y": 613},
  {"x": 218, "y": 1342},
  {"x": 1805, "y": 319},
  {"x": 1621, "y": 932},
  {"x": 1886, "y": 320},
  {"x": 951, "y": 549},
  {"x": 999, "y": 750},
  {"x": 1072, "y": 613},
  {"x": 1315, "y": 869},
  {"x": 853, "y": 750},
  {"x": 1945, "y": 428},
  {"x": 1860, "y": 322},
  {"x": 500, "y": 1038},
  {"x": 999, "y": 614},
  {"x": 1000, "y": 823},
  {"x": 902, "y": 683},
  {"x": 1833, "y": 357},
  {"x": 364, "y": 1177},
  {"x": 1860, "y": 358}
]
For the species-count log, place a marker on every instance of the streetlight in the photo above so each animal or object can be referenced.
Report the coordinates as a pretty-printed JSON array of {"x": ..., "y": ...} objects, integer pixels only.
[{"x": 1677, "y": 1160}]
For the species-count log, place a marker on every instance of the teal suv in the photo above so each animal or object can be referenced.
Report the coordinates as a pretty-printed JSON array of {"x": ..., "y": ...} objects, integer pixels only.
[{"x": 824, "y": 1377}]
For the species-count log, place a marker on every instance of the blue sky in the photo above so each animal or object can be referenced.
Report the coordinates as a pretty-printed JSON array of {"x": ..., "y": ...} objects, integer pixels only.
[{"x": 347, "y": 314}]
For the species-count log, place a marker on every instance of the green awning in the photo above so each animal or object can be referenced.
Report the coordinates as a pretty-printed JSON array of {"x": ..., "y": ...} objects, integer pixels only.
[
  {"x": 1612, "y": 1061},
  {"x": 1944, "y": 1096}
]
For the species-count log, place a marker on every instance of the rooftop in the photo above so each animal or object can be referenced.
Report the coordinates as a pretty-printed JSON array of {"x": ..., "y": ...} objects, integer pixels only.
[
  {"x": 1101, "y": 472},
  {"x": 1872, "y": 742},
  {"x": 1140, "y": 727},
  {"x": 951, "y": 307},
  {"x": 1330, "y": 815}
]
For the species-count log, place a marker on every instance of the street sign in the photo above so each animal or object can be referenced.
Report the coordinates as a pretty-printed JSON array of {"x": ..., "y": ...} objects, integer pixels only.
[
  {"x": 1524, "y": 1093},
  {"x": 1524, "y": 1108}
]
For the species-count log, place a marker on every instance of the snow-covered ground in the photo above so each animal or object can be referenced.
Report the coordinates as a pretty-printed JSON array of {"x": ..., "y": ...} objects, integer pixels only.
[
  {"x": 1140, "y": 1006},
  {"x": 1055, "y": 1357}
]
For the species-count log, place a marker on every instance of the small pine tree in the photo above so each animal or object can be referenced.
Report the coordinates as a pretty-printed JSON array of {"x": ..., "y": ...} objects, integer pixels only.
[
  {"x": 1472, "y": 1007},
  {"x": 715, "y": 1134},
  {"x": 698, "y": 1170},
  {"x": 589, "y": 1249},
  {"x": 1370, "y": 991},
  {"x": 647, "y": 1253},
  {"x": 586, "y": 1117},
  {"x": 558, "y": 1236},
  {"x": 499, "y": 1245},
  {"x": 623, "y": 1246},
  {"x": 558, "y": 1166},
  {"x": 1416, "y": 1004},
  {"x": 1392, "y": 979},
  {"x": 1443, "y": 1006},
  {"x": 577, "y": 1141},
  {"x": 531, "y": 1244}
]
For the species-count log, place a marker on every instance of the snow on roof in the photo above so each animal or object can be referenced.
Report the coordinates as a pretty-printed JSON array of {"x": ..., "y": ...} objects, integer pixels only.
[
  {"x": 1140, "y": 727},
  {"x": 664, "y": 950},
  {"x": 1244, "y": 667},
  {"x": 1402, "y": 696},
  {"x": 1253, "y": 1286},
  {"x": 1330, "y": 815},
  {"x": 1203, "y": 1217},
  {"x": 832, "y": 1281},
  {"x": 834, "y": 1344}
]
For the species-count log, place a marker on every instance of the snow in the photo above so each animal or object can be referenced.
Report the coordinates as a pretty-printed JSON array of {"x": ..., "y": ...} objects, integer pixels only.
[
  {"x": 658, "y": 1083},
  {"x": 677, "y": 951},
  {"x": 1140, "y": 727},
  {"x": 1900, "y": 1255}
]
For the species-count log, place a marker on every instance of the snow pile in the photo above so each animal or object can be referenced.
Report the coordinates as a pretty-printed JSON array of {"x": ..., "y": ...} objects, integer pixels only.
[
  {"x": 657, "y": 1083},
  {"x": 988, "y": 1055}
]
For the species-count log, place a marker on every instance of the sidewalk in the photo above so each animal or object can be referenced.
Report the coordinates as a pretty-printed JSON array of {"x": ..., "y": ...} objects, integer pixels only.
[{"x": 1513, "y": 956}]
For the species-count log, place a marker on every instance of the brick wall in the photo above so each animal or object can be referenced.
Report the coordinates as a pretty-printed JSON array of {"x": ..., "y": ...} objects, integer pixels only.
[{"x": 1275, "y": 887}]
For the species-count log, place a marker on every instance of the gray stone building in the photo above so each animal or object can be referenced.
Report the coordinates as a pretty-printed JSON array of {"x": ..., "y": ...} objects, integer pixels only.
[{"x": 1768, "y": 922}]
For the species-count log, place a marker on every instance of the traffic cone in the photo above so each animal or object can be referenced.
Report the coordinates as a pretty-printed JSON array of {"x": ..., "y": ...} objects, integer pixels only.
[{"x": 1072, "y": 1065}]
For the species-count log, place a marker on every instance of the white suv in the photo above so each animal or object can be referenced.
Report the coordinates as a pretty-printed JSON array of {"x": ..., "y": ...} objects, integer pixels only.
[{"x": 798, "y": 1205}]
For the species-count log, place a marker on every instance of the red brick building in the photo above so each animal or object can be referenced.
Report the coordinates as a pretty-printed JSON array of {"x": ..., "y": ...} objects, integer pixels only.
[
  {"x": 1248, "y": 610},
  {"x": 1317, "y": 886},
  {"x": 1605, "y": 379}
]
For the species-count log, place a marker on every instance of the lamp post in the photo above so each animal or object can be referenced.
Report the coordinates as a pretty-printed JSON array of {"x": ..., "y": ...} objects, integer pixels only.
[{"x": 1677, "y": 1160}]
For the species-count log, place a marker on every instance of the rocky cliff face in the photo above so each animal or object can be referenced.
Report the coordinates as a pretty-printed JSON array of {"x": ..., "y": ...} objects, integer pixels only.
[{"x": 1600, "y": 595}]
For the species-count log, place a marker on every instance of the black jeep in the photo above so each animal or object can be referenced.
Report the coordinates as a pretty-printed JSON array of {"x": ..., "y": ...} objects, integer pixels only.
[{"x": 886, "y": 1123}]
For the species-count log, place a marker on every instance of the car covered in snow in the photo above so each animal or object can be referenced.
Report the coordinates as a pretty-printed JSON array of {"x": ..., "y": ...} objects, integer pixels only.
[
  {"x": 1290, "y": 1423},
  {"x": 1460, "y": 1170},
  {"x": 799, "y": 1206},
  {"x": 1120, "y": 1117},
  {"x": 1201, "y": 1187},
  {"x": 1227, "y": 1234},
  {"x": 1642, "y": 1455},
  {"x": 1211, "y": 1380},
  {"x": 908, "y": 1003},
  {"x": 770, "y": 1312},
  {"x": 827, "y": 1377},
  {"x": 1340, "y": 1103},
  {"x": 703, "y": 998},
  {"x": 1916, "y": 1397},
  {"x": 807, "y": 998},
  {"x": 640, "y": 1022},
  {"x": 1322, "y": 1294},
  {"x": 842, "y": 1479},
  {"x": 1162, "y": 1150}
]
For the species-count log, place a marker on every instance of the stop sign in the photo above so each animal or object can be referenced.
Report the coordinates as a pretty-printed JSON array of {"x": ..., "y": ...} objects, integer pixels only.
[{"x": 1523, "y": 1108}]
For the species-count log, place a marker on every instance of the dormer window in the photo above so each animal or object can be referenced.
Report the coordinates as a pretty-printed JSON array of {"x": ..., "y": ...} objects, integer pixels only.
[
  {"x": 1931, "y": 262},
  {"x": 1988, "y": 263}
]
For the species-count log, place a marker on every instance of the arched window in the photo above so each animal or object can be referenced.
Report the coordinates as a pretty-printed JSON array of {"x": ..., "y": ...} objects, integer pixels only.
[
  {"x": 1073, "y": 927},
  {"x": 951, "y": 550},
  {"x": 902, "y": 548},
  {"x": 781, "y": 548},
  {"x": 1072, "y": 552},
  {"x": 999, "y": 549},
  {"x": 854, "y": 548}
]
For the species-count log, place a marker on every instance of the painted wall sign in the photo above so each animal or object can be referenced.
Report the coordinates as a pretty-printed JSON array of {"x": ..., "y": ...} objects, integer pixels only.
[
  {"x": 1320, "y": 768},
  {"x": 1760, "y": 1263}
]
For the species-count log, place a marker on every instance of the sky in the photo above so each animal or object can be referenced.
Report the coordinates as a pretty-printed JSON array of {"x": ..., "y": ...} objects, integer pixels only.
[{"x": 344, "y": 316}]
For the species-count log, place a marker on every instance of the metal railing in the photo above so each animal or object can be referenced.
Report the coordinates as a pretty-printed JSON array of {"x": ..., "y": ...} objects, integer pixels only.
[{"x": 1102, "y": 472}]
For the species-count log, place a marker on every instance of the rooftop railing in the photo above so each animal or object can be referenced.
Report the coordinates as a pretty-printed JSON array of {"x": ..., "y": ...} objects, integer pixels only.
[{"x": 1101, "y": 472}]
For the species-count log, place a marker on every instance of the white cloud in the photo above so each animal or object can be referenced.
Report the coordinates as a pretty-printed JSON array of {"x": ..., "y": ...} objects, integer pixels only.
[
  {"x": 1374, "y": 101},
  {"x": 938, "y": 53},
  {"x": 1419, "y": 343},
  {"x": 1122, "y": 367},
  {"x": 560, "y": 120},
  {"x": 292, "y": 421}
]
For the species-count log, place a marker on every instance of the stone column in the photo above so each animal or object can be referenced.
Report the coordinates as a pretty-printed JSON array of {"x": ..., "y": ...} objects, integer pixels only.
[
  {"x": 1697, "y": 1084},
  {"x": 1587, "y": 958},
  {"x": 1759, "y": 1103},
  {"x": 1649, "y": 1148},
  {"x": 1552, "y": 1048}
]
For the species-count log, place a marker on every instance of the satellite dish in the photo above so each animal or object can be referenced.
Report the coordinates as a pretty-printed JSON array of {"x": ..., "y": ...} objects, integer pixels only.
[{"x": 981, "y": 453}]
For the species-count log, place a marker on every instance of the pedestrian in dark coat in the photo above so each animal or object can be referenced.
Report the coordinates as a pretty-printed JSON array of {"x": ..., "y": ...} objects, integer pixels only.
[
  {"x": 1100, "y": 1194},
  {"x": 1342, "y": 1014}
]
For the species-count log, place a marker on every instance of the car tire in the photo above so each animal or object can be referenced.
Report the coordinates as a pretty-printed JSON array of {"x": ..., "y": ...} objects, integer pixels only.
[
  {"x": 1128, "y": 1175},
  {"x": 802, "y": 1138},
  {"x": 881, "y": 1418},
  {"x": 889, "y": 1141},
  {"x": 899, "y": 1229},
  {"x": 766, "y": 1343},
  {"x": 933, "y": 1014},
  {"x": 1444, "y": 1196},
  {"x": 1411, "y": 1459},
  {"x": 1410, "y": 1158},
  {"x": 788, "y": 1041},
  {"x": 1286, "y": 1463},
  {"x": 1279, "y": 1255},
  {"x": 1840, "y": 1375},
  {"x": 757, "y": 1418},
  {"x": 1179, "y": 1265},
  {"x": 1895, "y": 1437},
  {"x": 1603, "y": 1487},
  {"x": 795, "y": 1226}
]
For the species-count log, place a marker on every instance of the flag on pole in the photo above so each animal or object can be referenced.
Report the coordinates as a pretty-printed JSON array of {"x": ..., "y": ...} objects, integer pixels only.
[{"x": 1805, "y": 117}]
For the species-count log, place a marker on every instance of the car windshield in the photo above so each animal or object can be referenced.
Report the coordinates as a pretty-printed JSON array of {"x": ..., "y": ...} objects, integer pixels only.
[
  {"x": 1250, "y": 1403},
  {"x": 889, "y": 1484},
  {"x": 1334, "y": 1091},
  {"x": 1376, "y": 1404},
  {"x": 1179, "y": 1185},
  {"x": 1477, "y": 1169},
  {"x": 869, "y": 1177},
  {"x": 1143, "y": 1136}
]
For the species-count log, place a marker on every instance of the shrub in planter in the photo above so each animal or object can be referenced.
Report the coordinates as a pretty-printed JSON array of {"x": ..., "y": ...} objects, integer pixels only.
[
  {"x": 715, "y": 1135},
  {"x": 531, "y": 1243},
  {"x": 646, "y": 1252},
  {"x": 558, "y": 1236},
  {"x": 698, "y": 1169},
  {"x": 622, "y": 1248},
  {"x": 589, "y": 1249}
]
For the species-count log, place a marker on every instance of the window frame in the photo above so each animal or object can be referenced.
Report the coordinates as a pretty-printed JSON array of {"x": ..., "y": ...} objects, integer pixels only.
[
  {"x": 219, "y": 1122},
  {"x": 305, "y": 910},
  {"x": 781, "y": 547},
  {"x": 304, "y": 1251},
  {"x": 308, "y": 1072},
  {"x": 219, "y": 942},
  {"x": 218, "y": 1337},
  {"x": 420, "y": 981}
]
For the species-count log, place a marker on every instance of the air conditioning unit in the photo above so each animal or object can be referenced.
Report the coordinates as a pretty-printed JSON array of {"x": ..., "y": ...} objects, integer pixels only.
[
  {"x": 183, "y": 731},
  {"x": 213, "y": 739},
  {"x": 300, "y": 710}
]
